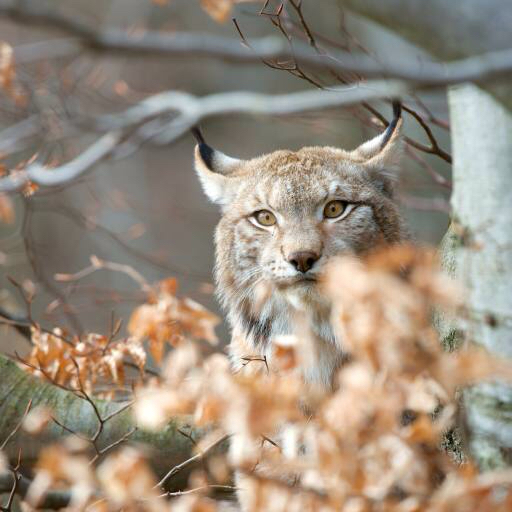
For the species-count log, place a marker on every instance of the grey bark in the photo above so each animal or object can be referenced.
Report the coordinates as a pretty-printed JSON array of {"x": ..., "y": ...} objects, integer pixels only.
[
  {"x": 482, "y": 210},
  {"x": 478, "y": 250}
]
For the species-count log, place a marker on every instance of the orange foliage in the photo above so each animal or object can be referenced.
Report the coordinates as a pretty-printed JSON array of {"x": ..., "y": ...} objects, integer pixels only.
[
  {"x": 86, "y": 361},
  {"x": 168, "y": 319},
  {"x": 371, "y": 444},
  {"x": 82, "y": 362},
  {"x": 8, "y": 74},
  {"x": 6, "y": 209}
]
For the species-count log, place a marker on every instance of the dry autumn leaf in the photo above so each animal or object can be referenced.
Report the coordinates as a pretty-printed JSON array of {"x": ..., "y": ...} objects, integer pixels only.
[
  {"x": 167, "y": 319},
  {"x": 29, "y": 188},
  {"x": 126, "y": 477},
  {"x": 82, "y": 362},
  {"x": 6, "y": 209},
  {"x": 8, "y": 75},
  {"x": 220, "y": 10},
  {"x": 373, "y": 440},
  {"x": 37, "y": 419},
  {"x": 7, "y": 71},
  {"x": 63, "y": 463}
]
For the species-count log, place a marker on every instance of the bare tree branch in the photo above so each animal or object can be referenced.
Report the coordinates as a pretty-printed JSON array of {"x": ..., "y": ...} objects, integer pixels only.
[
  {"x": 189, "y": 111},
  {"x": 486, "y": 67},
  {"x": 198, "y": 456},
  {"x": 122, "y": 134},
  {"x": 65, "y": 173},
  {"x": 294, "y": 69}
]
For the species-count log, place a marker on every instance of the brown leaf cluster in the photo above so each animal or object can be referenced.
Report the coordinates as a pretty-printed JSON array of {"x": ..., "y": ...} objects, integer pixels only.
[
  {"x": 126, "y": 478},
  {"x": 167, "y": 319},
  {"x": 210, "y": 392},
  {"x": 370, "y": 445},
  {"x": 81, "y": 363},
  {"x": 64, "y": 465},
  {"x": 122, "y": 480},
  {"x": 6, "y": 209},
  {"x": 8, "y": 74},
  {"x": 374, "y": 443}
]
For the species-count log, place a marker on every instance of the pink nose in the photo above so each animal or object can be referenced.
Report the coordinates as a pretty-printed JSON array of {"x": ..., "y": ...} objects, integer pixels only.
[{"x": 303, "y": 260}]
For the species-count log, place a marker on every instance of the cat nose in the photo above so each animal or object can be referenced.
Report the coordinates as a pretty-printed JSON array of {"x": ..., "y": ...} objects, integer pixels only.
[{"x": 303, "y": 260}]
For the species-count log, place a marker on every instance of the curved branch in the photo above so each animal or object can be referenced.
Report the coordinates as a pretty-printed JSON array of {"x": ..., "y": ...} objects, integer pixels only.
[
  {"x": 65, "y": 173},
  {"x": 189, "y": 111}
]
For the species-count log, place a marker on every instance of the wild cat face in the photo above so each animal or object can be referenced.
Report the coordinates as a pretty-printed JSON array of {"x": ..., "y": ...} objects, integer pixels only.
[
  {"x": 293, "y": 213},
  {"x": 286, "y": 214}
]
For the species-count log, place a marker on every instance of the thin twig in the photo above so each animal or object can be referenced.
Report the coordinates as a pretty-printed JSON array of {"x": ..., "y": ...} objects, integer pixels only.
[
  {"x": 438, "y": 178},
  {"x": 195, "y": 458},
  {"x": 202, "y": 488},
  {"x": 434, "y": 146},
  {"x": 17, "y": 427},
  {"x": 294, "y": 69},
  {"x": 98, "y": 264}
]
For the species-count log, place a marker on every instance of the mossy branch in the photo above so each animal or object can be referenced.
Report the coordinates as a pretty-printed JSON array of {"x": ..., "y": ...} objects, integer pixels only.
[{"x": 167, "y": 447}]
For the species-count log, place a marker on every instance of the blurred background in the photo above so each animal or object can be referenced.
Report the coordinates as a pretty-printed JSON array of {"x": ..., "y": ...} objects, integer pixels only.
[{"x": 146, "y": 209}]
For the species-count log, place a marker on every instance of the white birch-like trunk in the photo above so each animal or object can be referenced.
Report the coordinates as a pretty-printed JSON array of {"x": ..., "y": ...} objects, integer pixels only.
[
  {"x": 478, "y": 250},
  {"x": 481, "y": 241}
]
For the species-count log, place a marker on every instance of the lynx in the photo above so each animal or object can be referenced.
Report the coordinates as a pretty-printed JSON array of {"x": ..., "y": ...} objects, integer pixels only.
[{"x": 285, "y": 215}]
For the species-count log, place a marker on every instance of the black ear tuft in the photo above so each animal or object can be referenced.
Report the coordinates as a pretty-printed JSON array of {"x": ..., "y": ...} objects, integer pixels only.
[
  {"x": 196, "y": 132},
  {"x": 205, "y": 151},
  {"x": 397, "y": 113},
  {"x": 397, "y": 109}
]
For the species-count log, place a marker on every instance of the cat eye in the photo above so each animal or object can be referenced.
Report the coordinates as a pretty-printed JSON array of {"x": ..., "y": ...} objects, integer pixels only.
[
  {"x": 265, "y": 218},
  {"x": 334, "y": 209}
]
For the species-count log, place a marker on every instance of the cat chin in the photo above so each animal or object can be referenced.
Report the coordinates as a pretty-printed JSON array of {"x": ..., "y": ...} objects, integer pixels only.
[{"x": 302, "y": 295}]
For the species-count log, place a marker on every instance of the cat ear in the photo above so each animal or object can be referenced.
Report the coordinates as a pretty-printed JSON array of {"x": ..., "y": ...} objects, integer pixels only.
[
  {"x": 214, "y": 168},
  {"x": 382, "y": 154}
]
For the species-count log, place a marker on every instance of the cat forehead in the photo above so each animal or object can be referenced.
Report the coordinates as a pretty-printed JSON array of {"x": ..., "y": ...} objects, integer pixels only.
[
  {"x": 373, "y": 162},
  {"x": 308, "y": 170},
  {"x": 287, "y": 179},
  {"x": 306, "y": 160}
]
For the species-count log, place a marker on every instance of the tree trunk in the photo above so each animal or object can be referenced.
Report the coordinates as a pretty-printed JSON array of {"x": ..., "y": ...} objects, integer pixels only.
[
  {"x": 478, "y": 247},
  {"x": 482, "y": 212}
]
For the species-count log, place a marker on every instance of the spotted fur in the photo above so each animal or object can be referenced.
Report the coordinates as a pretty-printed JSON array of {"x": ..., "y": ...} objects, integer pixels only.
[{"x": 263, "y": 294}]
